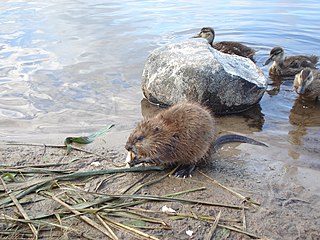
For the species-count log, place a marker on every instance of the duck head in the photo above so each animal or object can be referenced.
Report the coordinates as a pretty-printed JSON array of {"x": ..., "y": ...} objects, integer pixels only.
[
  {"x": 302, "y": 80},
  {"x": 207, "y": 33},
  {"x": 276, "y": 54}
]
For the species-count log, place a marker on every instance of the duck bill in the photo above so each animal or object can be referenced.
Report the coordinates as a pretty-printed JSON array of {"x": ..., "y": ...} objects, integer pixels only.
[
  {"x": 302, "y": 88},
  {"x": 268, "y": 61},
  {"x": 197, "y": 36}
]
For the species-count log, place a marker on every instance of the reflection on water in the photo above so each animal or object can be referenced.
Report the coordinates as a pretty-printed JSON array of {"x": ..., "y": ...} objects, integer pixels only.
[
  {"x": 275, "y": 85},
  {"x": 304, "y": 116},
  {"x": 72, "y": 66},
  {"x": 304, "y": 113}
]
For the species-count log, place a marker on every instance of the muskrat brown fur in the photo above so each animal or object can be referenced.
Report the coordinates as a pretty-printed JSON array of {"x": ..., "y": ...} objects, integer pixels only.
[{"x": 180, "y": 135}]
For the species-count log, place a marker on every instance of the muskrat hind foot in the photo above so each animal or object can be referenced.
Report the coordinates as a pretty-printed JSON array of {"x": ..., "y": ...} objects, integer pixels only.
[{"x": 184, "y": 171}]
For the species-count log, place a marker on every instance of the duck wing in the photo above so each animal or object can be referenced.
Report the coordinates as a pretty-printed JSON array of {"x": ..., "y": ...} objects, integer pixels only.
[
  {"x": 234, "y": 48},
  {"x": 301, "y": 61}
]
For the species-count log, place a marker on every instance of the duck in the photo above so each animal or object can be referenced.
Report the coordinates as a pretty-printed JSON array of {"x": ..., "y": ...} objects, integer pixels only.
[
  {"x": 234, "y": 48},
  {"x": 307, "y": 84},
  {"x": 288, "y": 66}
]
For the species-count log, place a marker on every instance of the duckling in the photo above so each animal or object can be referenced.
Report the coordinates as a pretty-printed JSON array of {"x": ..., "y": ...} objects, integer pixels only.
[
  {"x": 226, "y": 46},
  {"x": 307, "y": 84},
  {"x": 288, "y": 66}
]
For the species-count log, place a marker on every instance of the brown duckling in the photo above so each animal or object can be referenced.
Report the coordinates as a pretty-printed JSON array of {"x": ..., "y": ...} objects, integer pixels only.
[
  {"x": 288, "y": 66},
  {"x": 226, "y": 46},
  {"x": 307, "y": 84}
]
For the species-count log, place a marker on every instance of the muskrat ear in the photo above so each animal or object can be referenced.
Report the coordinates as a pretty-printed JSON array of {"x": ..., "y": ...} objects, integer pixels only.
[{"x": 156, "y": 129}]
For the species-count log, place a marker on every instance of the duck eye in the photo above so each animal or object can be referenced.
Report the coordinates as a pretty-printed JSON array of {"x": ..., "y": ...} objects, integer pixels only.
[{"x": 157, "y": 129}]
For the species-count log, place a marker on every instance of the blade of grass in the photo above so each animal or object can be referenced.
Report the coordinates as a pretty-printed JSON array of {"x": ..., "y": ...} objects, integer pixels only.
[{"x": 86, "y": 139}]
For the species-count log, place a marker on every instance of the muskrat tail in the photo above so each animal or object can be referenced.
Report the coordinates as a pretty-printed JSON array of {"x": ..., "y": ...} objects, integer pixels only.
[
  {"x": 229, "y": 138},
  {"x": 314, "y": 59}
]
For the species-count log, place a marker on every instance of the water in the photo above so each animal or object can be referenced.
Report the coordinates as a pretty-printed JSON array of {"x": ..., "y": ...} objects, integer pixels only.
[{"x": 72, "y": 67}]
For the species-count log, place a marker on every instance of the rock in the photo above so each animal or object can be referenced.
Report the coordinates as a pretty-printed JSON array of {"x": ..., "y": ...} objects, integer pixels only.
[{"x": 194, "y": 71}]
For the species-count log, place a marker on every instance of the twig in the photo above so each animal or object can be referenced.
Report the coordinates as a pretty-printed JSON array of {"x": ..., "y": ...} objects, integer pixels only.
[
  {"x": 213, "y": 227},
  {"x": 231, "y": 191},
  {"x": 20, "y": 208}
]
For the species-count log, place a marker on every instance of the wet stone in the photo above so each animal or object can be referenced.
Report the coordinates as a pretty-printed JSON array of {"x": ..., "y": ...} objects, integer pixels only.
[{"x": 194, "y": 71}]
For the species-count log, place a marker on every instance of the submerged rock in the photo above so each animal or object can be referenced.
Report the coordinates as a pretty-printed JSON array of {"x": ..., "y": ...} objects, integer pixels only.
[{"x": 195, "y": 71}]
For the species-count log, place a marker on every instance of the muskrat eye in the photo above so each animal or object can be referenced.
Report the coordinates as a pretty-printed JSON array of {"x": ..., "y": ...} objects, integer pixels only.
[
  {"x": 140, "y": 138},
  {"x": 157, "y": 129}
]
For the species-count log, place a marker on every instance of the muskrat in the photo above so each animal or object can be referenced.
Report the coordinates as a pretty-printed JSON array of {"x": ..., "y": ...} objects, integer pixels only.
[{"x": 181, "y": 135}]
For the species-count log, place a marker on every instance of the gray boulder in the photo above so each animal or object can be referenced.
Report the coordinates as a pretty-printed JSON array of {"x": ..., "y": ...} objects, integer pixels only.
[{"x": 195, "y": 71}]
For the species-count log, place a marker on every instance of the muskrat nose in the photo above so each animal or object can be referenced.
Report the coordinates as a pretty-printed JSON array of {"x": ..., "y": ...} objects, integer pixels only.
[{"x": 128, "y": 147}]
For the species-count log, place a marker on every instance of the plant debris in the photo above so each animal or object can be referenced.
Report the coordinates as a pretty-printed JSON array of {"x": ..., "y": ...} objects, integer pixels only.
[{"x": 84, "y": 197}]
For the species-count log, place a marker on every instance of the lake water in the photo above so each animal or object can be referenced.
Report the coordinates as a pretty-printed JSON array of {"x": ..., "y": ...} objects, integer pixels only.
[{"x": 72, "y": 67}]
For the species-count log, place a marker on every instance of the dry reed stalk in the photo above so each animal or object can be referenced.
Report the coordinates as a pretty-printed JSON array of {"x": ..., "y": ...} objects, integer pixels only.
[
  {"x": 213, "y": 227},
  {"x": 21, "y": 210}
]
